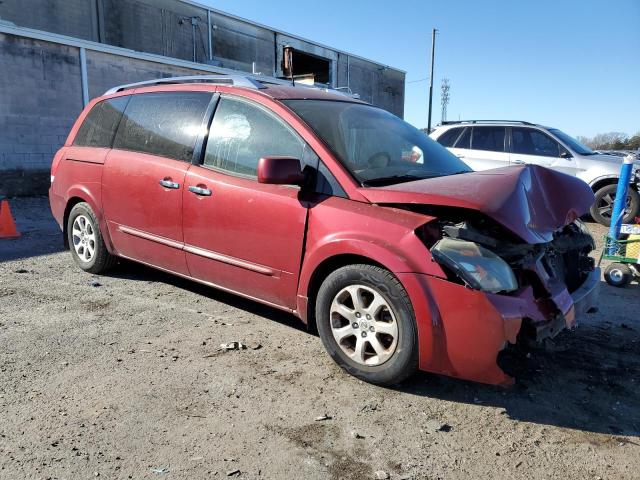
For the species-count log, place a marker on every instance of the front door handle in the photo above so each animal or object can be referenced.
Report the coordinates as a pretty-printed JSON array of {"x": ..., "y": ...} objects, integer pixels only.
[
  {"x": 519, "y": 162},
  {"x": 168, "y": 183},
  {"x": 202, "y": 191},
  {"x": 459, "y": 155}
]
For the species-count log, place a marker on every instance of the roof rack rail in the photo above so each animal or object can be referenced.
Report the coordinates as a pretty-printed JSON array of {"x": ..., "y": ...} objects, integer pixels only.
[
  {"x": 248, "y": 81},
  {"x": 237, "y": 80},
  {"x": 453, "y": 122}
]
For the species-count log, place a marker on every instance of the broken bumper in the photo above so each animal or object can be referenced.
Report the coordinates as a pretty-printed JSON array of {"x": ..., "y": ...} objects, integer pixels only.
[{"x": 461, "y": 331}]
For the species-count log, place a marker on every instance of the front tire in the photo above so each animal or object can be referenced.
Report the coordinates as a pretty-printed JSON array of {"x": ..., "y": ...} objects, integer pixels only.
[
  {"x": 367, "y": 324},
  {"x": 85, "y": 240},
  {"x": 602, "y": 208}
]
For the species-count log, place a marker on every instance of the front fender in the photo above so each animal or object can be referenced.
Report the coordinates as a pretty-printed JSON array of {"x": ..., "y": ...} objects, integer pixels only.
[{"x": 383, "y": 235}]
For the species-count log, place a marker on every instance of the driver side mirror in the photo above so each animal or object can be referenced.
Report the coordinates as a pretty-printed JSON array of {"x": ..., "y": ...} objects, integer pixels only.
[
  {"x": 565, "y": 154},
  {"x": 280, "y": 171}
]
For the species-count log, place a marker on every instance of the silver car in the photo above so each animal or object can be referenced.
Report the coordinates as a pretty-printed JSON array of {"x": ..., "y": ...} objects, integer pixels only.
[{"x": 485, "y": 144}]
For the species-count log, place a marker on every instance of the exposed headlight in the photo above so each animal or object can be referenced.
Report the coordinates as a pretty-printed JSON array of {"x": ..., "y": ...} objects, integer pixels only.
[{"x": 478, "y": 267}]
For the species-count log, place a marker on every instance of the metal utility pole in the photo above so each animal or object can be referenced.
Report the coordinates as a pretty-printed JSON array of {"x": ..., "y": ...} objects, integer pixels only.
[
  {"x": 433, "y": 54},
  {"x": 444, "y": 98}
]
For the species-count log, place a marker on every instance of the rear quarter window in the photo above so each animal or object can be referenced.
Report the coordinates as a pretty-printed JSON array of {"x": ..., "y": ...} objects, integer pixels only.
[
  {"x": 99, "y": 127},
  {"x": 163, "y": 124}
]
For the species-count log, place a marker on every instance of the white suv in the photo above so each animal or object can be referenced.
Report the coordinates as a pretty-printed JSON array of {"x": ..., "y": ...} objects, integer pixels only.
[{"x": 485, "y": 144}]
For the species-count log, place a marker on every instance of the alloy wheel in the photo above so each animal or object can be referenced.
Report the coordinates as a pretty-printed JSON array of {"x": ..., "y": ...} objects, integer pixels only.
[
  {"x": 84, "y": 238},
  {"x": 363, "y": 325}
]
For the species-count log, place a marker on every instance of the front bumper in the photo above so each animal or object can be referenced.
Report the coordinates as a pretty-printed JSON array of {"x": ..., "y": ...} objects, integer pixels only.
[{"x": 461, "y": 331}]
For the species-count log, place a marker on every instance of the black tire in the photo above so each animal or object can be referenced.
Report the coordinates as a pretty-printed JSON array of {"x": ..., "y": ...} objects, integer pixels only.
[
  {"x": 601, "y": 210},
  {"x": 403, "y": 362},
  {"x": 101, "y": 260},
  {"x": 618, "y": 275}
]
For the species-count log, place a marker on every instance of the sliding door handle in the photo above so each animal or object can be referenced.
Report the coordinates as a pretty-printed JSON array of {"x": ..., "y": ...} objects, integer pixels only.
[{"x": 203, "y": 191}]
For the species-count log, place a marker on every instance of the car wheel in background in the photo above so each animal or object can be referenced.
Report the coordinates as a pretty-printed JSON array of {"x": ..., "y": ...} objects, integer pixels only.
[
  {"x": 602, "y": 208},
  {"x": 618, "y": 275},
  {"x": 367, "y": 325},
  {"x": 86, "y": 242}
]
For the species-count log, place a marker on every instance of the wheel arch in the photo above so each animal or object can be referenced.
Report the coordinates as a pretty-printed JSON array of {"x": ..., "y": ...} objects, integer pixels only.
[
  {"x": 324, "y": 269},
  {"x": 80, "y": 195},
  {"x": 603, "y": 182}
]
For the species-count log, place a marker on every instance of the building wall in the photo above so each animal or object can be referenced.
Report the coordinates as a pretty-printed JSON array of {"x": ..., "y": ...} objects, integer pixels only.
[
  {"x": 40, "y": 81},
  {"x": 40, "y": 98}
]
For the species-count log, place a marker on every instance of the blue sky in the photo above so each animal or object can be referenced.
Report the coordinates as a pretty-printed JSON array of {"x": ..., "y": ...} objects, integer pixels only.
[{"x": 571, "y": 64}]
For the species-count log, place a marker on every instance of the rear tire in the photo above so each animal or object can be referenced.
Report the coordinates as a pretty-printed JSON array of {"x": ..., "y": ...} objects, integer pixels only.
[
  {"x": 618, "y": 275},
  {"x": 85, "y": 240},
  {"x": 602, "y": 208},
  {"x": 367, "y": 325}
]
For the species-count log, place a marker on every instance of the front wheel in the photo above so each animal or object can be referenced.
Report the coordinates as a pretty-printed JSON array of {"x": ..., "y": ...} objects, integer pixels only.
[
  {"x": 367, "y": 325},
  {"x": 602, "y": 209}
]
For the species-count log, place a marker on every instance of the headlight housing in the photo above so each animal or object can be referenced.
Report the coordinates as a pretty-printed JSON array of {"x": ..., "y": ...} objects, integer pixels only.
[{"x": 478, "y": 267}]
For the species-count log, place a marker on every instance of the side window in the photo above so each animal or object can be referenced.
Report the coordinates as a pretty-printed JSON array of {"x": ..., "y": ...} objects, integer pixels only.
[
  {"x": 164, "y": 124},
  {"x": 464, "y": 141},
  {"x": 488, "y": 138},
  {"x": 99, "y": 126},
  {"x": 448, "y": 138},
  {"x": 242, "y": 133},
  {"x": 528, "y": 141},
  {"x": 327, "y": 184}
]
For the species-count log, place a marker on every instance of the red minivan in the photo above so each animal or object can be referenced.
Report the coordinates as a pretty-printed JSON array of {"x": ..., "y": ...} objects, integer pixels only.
[{"x": 324, "y": 206}]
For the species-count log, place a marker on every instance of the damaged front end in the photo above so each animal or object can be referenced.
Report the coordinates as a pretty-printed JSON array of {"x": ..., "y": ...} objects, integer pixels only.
[{"x": 516, "y": 292}]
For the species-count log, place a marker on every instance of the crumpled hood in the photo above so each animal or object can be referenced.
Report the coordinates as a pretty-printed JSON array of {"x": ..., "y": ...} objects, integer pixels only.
[{"x": 531, "y": 201}]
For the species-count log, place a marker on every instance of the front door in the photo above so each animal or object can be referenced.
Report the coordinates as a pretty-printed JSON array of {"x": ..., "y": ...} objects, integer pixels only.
[
  {"x": 239, "y": 234},
  {"x": 144, "y": 176},
  {"x": 532, "y": 146}
]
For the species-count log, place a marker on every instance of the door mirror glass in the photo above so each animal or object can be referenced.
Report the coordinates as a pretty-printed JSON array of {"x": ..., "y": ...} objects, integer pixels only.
[{"x": 280, "y": 171}]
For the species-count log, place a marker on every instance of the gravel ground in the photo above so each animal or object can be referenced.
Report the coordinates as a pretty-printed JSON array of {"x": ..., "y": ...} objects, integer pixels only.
[{"x": 122, "y": 376}]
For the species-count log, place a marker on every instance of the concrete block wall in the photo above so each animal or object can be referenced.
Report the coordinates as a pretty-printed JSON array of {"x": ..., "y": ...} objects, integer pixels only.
[
  {"x": 40, "y": 81},
  {"x": 40, "y": 98}
]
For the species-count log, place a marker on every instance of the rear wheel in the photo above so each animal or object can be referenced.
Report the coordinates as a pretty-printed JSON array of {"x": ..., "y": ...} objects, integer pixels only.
[
  {"x": 618, "y": 275},
  {"x": 367, "y": 325},
  {"x": 85, "y": 240},
  {"x": 602, "y": 208}
]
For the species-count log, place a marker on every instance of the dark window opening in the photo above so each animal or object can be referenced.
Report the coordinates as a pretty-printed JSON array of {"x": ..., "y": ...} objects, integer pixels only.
[
  {"x": 306, "y": 64},
  {"x": 488, "y": 138}
]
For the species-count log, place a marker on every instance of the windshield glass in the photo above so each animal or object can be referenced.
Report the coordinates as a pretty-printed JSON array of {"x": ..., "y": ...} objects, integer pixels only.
[
  {"x": 377, "y": 147},
  {"x": 572, "y": 143}
]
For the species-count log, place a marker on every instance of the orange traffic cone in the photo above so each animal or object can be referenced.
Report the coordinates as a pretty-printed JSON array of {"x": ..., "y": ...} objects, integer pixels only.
[{"x": 7, "y": 225}]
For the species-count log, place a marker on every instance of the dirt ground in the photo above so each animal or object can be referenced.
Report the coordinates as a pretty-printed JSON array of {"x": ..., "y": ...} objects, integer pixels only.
[{"x": 122, "y": 376}]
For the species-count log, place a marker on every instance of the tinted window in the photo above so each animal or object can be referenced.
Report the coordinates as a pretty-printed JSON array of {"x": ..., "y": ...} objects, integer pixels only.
[
  {"x": 448, "y": 138},
  {"x": 528, "y": 141},
  {"x": 164, "y": 124},
  {"x": 242, "y": 133},
  {"x": 488, "y": 138},
  {"x": 465, "y": 139},
  {"x": 327, "y": 184},
  {"x": 100, "y": 125}
]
